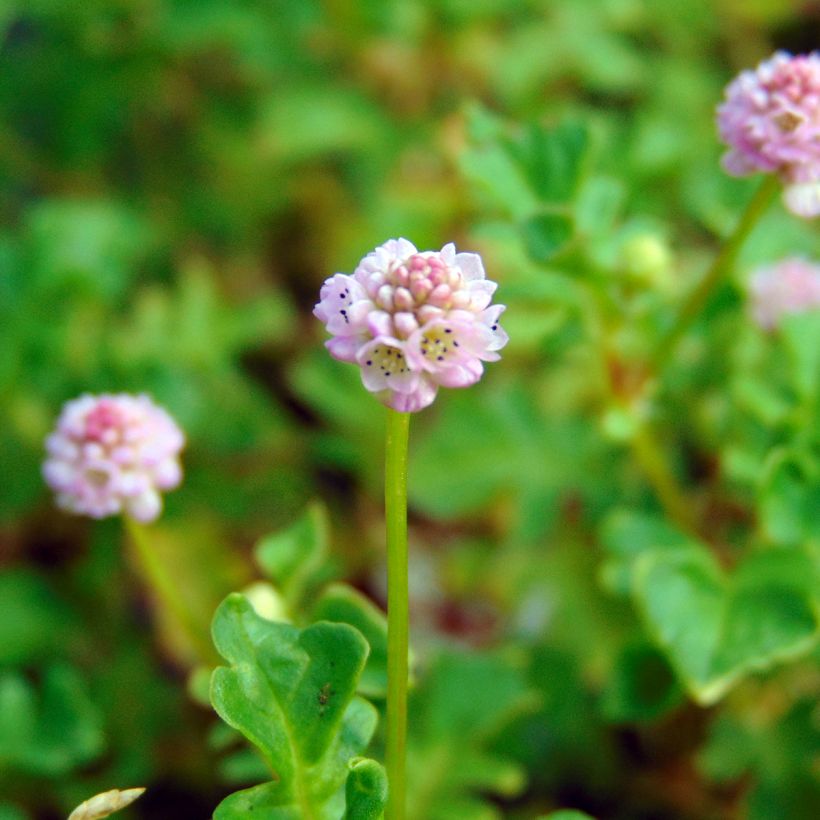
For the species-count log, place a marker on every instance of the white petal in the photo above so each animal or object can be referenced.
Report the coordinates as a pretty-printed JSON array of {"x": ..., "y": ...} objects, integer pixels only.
[
  {"x": 803, "y": 199},
  {"x": 471, "y": 266}
]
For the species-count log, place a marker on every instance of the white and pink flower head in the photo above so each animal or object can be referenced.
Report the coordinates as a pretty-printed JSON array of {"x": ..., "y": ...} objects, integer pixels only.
[
  {"x": 771, "y": 122},
  {"x": 413, "y": 321},
  {"x": 113, "y": 454},
  {"x": 789, "y": 286}
]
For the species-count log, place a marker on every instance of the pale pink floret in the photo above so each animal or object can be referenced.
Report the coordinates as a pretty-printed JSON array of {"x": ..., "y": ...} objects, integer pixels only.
[
  {"x": 771, "y": 122},
  {"x": 413, "y": 321},
  {"x": 344, "y": 306},
  {"x": 113, "y": 454},
  {"x": 787, "y": 287}
]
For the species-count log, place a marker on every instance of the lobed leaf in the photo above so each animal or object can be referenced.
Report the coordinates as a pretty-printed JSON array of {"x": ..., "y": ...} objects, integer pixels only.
[
  {"x": 291, "y": 692},
  {"x": 716, "y": 628},
  {"x": 341, "y": 603},
  {"x": 293, "y": 557}
]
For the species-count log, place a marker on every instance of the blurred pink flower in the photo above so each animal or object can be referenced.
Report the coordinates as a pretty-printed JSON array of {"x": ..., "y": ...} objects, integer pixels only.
[
  {"x": 413, "y": 321},
  {"x": 789, "y": 286},
  {"x": 771, "y": 122},
  {"x": 112, "y": 454}
]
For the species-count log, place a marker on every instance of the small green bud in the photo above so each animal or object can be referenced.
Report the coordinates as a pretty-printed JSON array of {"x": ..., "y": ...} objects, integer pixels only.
[{"x": 646, "y": 257}]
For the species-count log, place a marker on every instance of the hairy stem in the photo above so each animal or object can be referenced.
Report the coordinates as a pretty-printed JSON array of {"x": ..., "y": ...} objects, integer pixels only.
[{"x": 395, "y": 503}]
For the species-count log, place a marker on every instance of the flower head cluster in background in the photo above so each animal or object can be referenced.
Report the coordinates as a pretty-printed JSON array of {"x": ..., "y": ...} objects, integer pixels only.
[
  {"x": 789, "y": 286},
  {"x": 771, "y": 122},
  {"x": 112, "y": 454},
  {"x": 413, "y": 321}
]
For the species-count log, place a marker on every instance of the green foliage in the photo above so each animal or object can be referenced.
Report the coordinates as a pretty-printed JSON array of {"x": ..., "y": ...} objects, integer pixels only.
[
  {"x": 626, "y": 536},
  {"x": 505, "y": 421},
  {"x": 9, "y": 812},
  {"x": 533, "y": 176},
  {"x": 340, "y": 603},
  {"x": 35, "y": 623},
  {"x": 716, "y": 628},
  {"x": 641, "y": 686},
  {"x": 297, "y": 560},
  {"x": 366, "y": 790},
  {"x": 178, "y": 179},
  {"x": 291, "y": 692},
  {"x": 776, "y": 750},
  {"x": 546, "y": 234},
  {"x": 446, "y": 778},
  {"x": 51, "y": 731},
  {"x": 790, "y": 498},
  {"x": 294, "y": 557}
]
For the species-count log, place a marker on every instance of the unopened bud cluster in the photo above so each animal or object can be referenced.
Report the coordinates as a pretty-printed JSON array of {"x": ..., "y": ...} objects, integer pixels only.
[
  {"x": 413, "y": 321},
  {"x": 112, "y": 454}
]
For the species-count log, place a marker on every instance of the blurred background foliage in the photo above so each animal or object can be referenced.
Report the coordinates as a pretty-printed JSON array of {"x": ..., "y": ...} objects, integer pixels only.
[{"x": 178, "y": 178}]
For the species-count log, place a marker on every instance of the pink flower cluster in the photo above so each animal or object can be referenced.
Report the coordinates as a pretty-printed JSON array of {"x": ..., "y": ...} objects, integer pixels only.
[
  {"x": 413, "y": 321},
  {"x": 112, "y": 454},
  {"x": 789, "y": 286},
  {"x": 771, "y": 122}
]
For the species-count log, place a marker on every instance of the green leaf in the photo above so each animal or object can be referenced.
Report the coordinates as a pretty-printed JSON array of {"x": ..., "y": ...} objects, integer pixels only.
[
  {"x": 294, "y": 557},
  {"x": 340, "y": 603},
  {"x": 566, "y": 814},
  {"x": 92, "y": 246},
  {"x": 626, "y": 535},
  {"x": 715, "y": 628},
  {"x": 9, "y": 812},
  {"x": 599, "y": 204},
  {"x": 446, "y": 778},
  {"x": 463, "y": 469},
  {"x": 775, "y": 752},
  {"x": 291, "y": 692},
  {"x": 492, "y": 170},
  {"x": 366, "y": 790},
  {"x": 790, "y": 500},
  {"x": 35, "y": 622},
  {"x": 332, "y": 120},
  {"x": 524, "y": 170},
  {"x": 546, "y": 235},
  {"x": 641, "y": 687},
  {"x": 554, "y": 159},
  {"x": 48, "y": 730},
  {"x": 801, "y": 336}
]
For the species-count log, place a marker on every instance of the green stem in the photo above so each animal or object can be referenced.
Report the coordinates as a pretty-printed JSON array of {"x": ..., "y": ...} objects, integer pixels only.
[
  {"x": 645, "y": 446},
  {"x": 650, "y": 457},
  {"x": 395, "y": 507},
  {"x": 697, "y": 300},
  {"x": 165, "y": 588}
]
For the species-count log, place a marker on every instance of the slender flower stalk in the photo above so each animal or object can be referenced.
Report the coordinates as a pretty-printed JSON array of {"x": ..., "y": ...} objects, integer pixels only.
[
  {"x": 722, "y": 263},
  {"x": 412, "y": 321},
  {"x": 623, "y": 391},
  {"x": 165, "y": 588},
  {"x": 650, "y": 456},
  {"x": 395, "y": 505}
]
